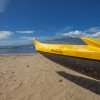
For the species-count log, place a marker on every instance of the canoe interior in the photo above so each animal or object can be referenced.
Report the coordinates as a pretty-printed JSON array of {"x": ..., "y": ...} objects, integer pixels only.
[{"x": 85, "y": 66}]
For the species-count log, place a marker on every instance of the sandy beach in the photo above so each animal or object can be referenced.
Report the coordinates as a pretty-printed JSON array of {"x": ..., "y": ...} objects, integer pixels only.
[{"x": 33, "y": 77}]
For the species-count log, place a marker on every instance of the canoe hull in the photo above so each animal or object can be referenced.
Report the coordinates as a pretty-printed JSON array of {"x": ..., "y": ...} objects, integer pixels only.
[{"x": 85, "y": 66}]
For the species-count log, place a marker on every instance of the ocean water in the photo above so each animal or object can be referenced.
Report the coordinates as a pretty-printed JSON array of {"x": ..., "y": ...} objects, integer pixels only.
[{"x": 17, "y": 50}]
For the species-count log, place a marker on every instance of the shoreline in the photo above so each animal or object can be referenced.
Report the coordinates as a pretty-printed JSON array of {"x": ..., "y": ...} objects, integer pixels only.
[{"x": 19, "y": 53}]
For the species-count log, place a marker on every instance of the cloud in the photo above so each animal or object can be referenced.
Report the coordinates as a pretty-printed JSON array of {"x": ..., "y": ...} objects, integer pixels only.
[
  {"x": 14, "y": 42},
  {"x": 3, "y": 5},
  {"x": 97, "y": 35},
  {"x": 17, "y": 41},
  {"x": 93, "y": 30},
  {"x": 5, "y": 34},
  {"x": 76, "y": 33},
  {"x": 26, "y": 32},
  {"x": 90, "y": 32},
  {"x": 26, "y": 38}
]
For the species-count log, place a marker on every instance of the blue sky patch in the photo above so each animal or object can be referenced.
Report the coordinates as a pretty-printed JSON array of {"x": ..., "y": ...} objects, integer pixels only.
[{"x": 21, "y": 20}]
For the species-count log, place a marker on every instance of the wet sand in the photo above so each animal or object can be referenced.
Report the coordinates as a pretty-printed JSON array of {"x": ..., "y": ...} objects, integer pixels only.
[{"x": 33, "y": 77}]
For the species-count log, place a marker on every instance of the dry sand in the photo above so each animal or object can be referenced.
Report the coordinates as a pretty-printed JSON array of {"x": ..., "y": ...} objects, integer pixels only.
[{"x": 33, "y": 77}]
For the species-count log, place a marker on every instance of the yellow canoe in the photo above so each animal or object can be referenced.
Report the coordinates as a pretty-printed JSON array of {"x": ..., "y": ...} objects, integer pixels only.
[{"x": 82, "y": 58}]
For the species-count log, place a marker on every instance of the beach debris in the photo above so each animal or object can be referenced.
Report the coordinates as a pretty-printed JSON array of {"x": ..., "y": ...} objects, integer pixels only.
[
  {"x": 60, "y": 80},
  {"x": 28, "y": 66}
]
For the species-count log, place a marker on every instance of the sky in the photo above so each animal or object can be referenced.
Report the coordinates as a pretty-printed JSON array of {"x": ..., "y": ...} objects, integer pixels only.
[{"x": 22, "y": 20}]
